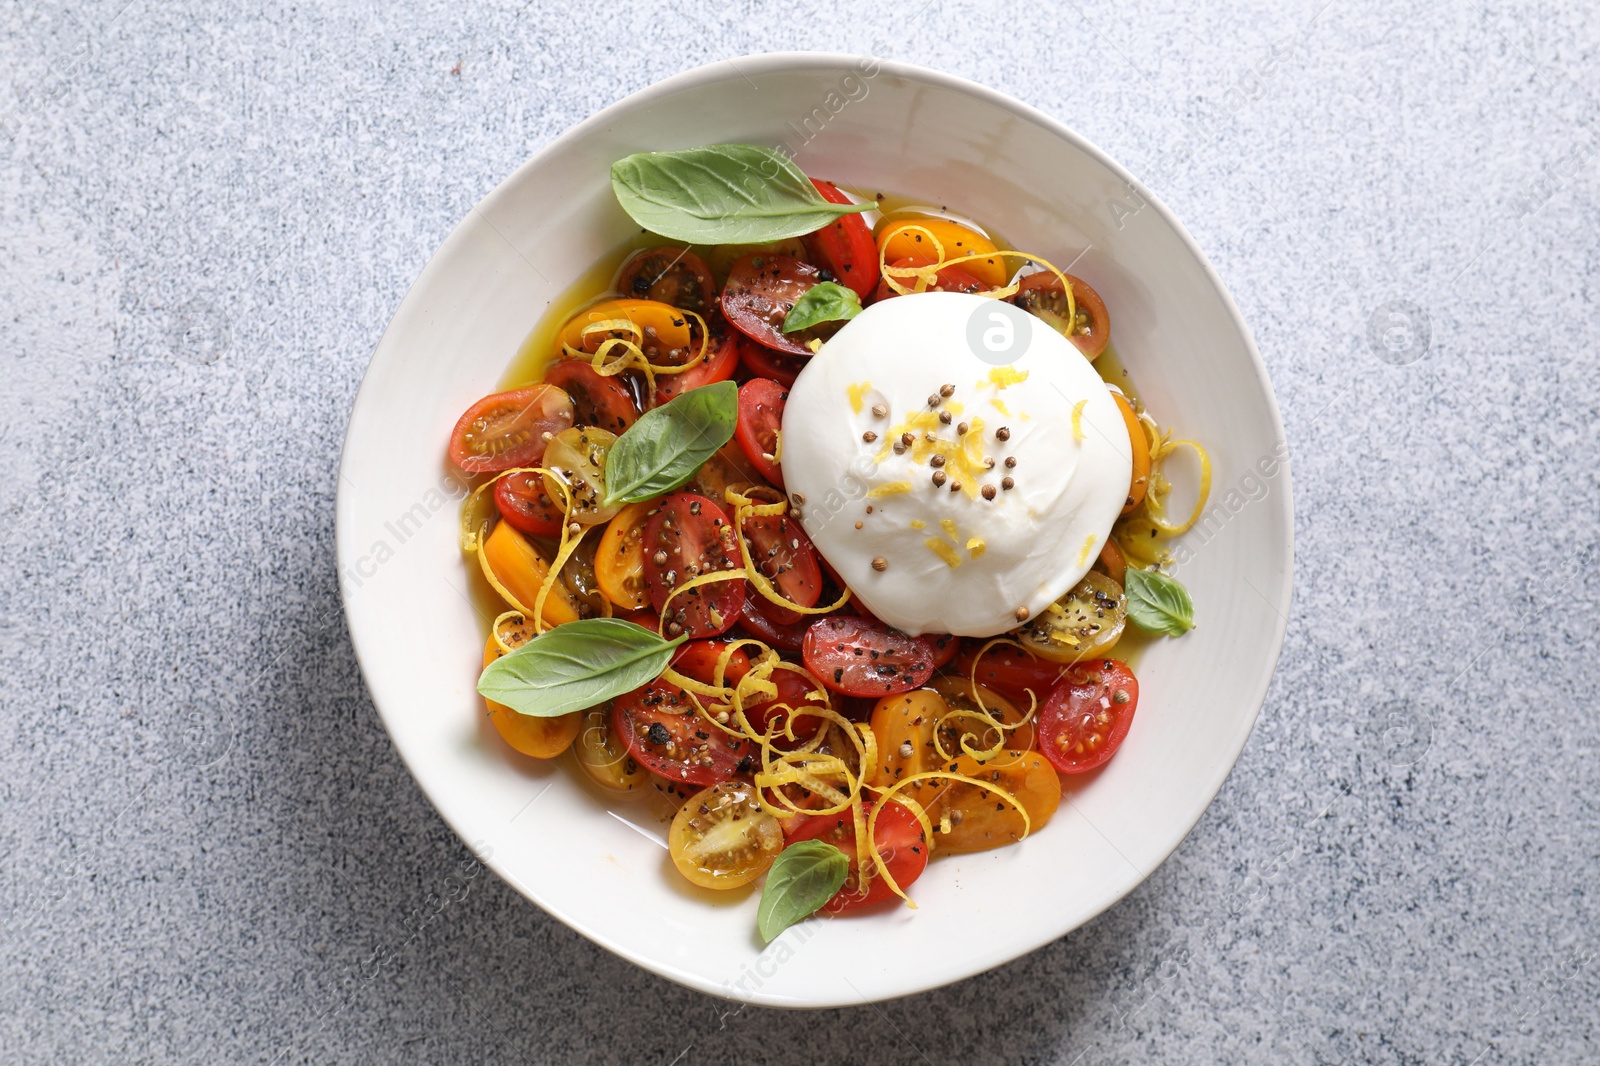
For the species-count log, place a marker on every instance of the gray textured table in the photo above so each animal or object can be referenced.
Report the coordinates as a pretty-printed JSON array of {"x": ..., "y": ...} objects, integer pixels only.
[{"x": 211, "y": 851}]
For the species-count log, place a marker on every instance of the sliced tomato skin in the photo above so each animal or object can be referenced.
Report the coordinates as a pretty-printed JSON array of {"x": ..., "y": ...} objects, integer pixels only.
[
  {"x": 950, "y": 279},
  {"x": 597, "y": 400},
  {"x": 719, "y": 362},
  {"x": 760, "y": 292},
  {"x": 1086, "y": 702},
  {"x": 862, "y": 657},
  {"x": 785, "y": 556},
  {"x": 523, "y": 502},
  {"x": 509, "y": 429},
  {"x": 1045, "y": 285},
  {"x": 758, "y": 619},
  {"x": 761, "y": 402},
  {"x": 666, "y": 735},
  {"x": 763, "y": 362},
  {"x": 668, "y": 275},
  {"x": 898, "y": 838},
  {"x": 689, "y": 531},
  {"x": 846, "y": 247},
  {"x": 1010, "y": 671}
]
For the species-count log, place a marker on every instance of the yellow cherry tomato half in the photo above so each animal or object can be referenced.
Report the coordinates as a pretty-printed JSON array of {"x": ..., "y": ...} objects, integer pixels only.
[
  {"x": 522, "y": 568},
  {"x": 721, "y": 838},
  {"x": 905, "y": 237},
  {"x": 619, "y": 560},
  {"x": 542, "y": 738},
  {"x": 603, "y": 758},
  {"x": 1086, "y": 623},
  {"x": 660, "y": 330},
  {"x": 576, "y": 459}
]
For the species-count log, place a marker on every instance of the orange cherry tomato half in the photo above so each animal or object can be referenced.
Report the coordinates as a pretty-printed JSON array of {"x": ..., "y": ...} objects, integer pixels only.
[
  {"x": 1139, "y": 481},
  {"x": 619, "y": 559},
  {"x": 689, "y": 536},
  {"x": 720, "y": 360},
  {"x": 862, "y": 657},
  {"x": 674, "y": 276},
  {"x": 660, "y": 330},
  {"x": 898, "y": 837},
  {"x": 950, "y": 279},
  {"x": 903, "y": 238},
  {"x": 598, "y": 401},
  {"x": 761, "y": 403},
  {"x": 845, "y": 247},
  {"x": 541, "y": 738},
  {"x": 522, "y": 501},
  {"x": 509, "y": 429},
  {"x": 1113, "y": 563},
  {"x": 1088, "y": 715},
  {"x": 761, "y": 291},
  {"x": 1090, "y": 329}
]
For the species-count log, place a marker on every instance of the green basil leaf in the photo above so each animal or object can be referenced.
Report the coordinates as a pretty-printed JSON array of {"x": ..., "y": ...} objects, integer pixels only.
[
  {"x": 827, "y": 301},
  {"x": 722, "y": 194},
  {"x": 803, "y": 877},
  {"x": 665, "y": 447},
  {"x": 1158, "y": 603},
  {"x": 575, "y": 666}
]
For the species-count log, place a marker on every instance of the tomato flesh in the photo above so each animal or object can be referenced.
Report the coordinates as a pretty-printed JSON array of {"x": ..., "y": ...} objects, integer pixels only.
[
  {"x": 761, "y": 403},
  {"x": 674, "y": 276},
  {"x": 1088, "y": 715},
  {"x": 686, "y": 537},
  {"x": 862, "y": 657},
  {"x": 717, "y": 363},
  {"x": 846, "y": 247},
  {"x": 761, "y": 291},
  {"x": 899, "y": 839},
  {"x": 1041, "y": 294},
  {"x": 1011, "y": 671},
  {"x": 509, "y": 429},
  {"x": 665, "y": 734},
  {"x": 598, "y": 401},
  {"x": 522, "y": 501}
]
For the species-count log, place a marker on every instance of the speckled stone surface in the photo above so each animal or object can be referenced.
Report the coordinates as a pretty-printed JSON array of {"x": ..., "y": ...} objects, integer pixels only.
[{"x": 211, "y": 852}]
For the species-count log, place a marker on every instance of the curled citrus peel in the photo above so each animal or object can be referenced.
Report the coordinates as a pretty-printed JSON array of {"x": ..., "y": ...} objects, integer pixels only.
[
  {"x": 923, "y": 278},
  {"x": 1133, "y": 532},
  {"x": 617, "y": 354}
]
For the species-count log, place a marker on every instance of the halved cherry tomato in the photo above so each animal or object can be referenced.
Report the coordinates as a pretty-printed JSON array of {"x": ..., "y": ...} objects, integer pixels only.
[
  {"x": 719, "y": 361},
  {"x": 698, "y": 659},
  {"x": 763, "y": 362},
  {"x": 660, "y": 330},
  {"x": 859, "y": 657},
  {"x": 785, "y": 556},
  {"x": 509, "y": 429},
  {"x": 961, "y": 695},
  {"x": 1113, "y": 563},
  {"x": 522, "y": 501},
  {"x": 771, "y": 714},
  {"x": 1088, "y": 715},
  {"x": 674, "y": 276},
  {"x": 761, "y": 403},
  {"x": 576, "y": 460},
  {"x": 604, "y": 758},
  {"x": 944, "y": 646},
  {"x": 619, "y": 560},
  {"x": 722, "y": 838},
  {"x": 761, "y": 291},
  {"x": 666, "y": 734},
  {"x": 1139, "y": 481},
  {"x": 541, "y": 738},
  {"x": 721, "y": 257},
  {"x": 903, "y": 237},
  {"x": 687, "y": 537},
  {"x": 845, "y": 247},
  {"x": 522, "y": 569},
  {"x": 950, "y": 279},
  {"x": 1085, "y": 623},
  {"x": 1042, "y": 295},
  {"x": 898, "y": 837},
  {"x": 758, "y": 619},
  {"x": 726, "y": 469},
  {"x": 1010, "y": 671},
  {"x": 599, "y": 401}
]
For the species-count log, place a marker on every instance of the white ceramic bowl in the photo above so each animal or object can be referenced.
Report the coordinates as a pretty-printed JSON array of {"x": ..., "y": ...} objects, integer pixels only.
[{"x": 601, "y": 867}]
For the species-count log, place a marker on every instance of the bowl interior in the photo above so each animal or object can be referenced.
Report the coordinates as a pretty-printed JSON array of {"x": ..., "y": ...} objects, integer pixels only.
[{"x": 600, "y": 865}]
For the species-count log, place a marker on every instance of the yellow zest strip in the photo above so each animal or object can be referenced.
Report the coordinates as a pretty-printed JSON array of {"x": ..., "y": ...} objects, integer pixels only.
[
  {"x": 744, "y": 508},
  {"x": 858, "y": 391},
  {"x": 944, "y": 550},
  {"x": 494, "y": 630},
  {"x": 1156, "y": 508},
  {"x": 976, "y": 547},
  {"x": 1077, "y": 419},
  {"x": 936, "y": 775},
  {"x": 694, "y": 583},
  {"x": 777, "y": 446},
  {"x": 892, "y": 488},
  {"x": 972, "y": 678}
]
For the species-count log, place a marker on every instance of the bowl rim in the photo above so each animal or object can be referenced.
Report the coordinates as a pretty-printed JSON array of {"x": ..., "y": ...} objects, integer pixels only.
[{"x": 805, "y": 61}]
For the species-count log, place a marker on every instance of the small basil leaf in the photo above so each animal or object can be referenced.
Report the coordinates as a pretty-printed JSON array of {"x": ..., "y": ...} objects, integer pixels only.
[
  {"x": 827, "y": 301},
  {"x": 575, "y": 666},
  {"x": 803, "y": 877},
  {"x": 722, "y": 194},
  {"x": 1158, "y": 603},
  {"x": 665, "y": 447}
]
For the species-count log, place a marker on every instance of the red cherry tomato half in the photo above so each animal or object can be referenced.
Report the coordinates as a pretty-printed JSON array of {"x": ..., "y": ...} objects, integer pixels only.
[
  {"x": 898, "y": 838},
  {"x": 770, "y": 714},
  {"x": 1087, "y": 716},
  {"x": 760, "y": 418},
  {"x": 763, "y": 362},
  {"x": 1090, "y": 329},
  {"x": 523, "y": 502},
  {"x": 950, "y": 279},
  {"x": 599, "y": 401},
  {"x": 1011, "y": 671},
  {"x": 509, "y": 429},
  {"x": 669, "y": 275},
  {"x": 686, "y": 537},
  {"x": 720, "y": 360},
  {"x": 845, "y": 247},
  {"x": 784, "y": 555},
  {"x": 860, "y": 657},
  {"x": 944, "y": 646},
  {"x": 667, "y": 736},
  {"x": 759, "y": 619},
  {"x": 698, "y": 659},
  {"x": 761, "y": 291}
]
